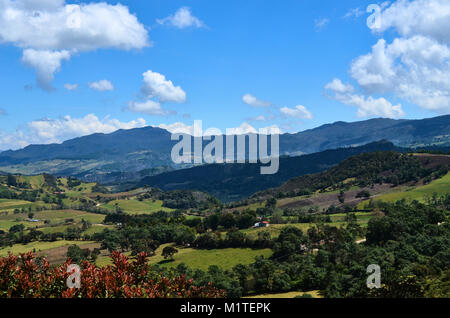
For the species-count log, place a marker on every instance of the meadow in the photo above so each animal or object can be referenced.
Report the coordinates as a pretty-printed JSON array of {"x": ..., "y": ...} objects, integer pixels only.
[
  {"x": 37, "y": 246},
  {"x": 439, "y": 187},
  {"x": 201, "y": 259}
]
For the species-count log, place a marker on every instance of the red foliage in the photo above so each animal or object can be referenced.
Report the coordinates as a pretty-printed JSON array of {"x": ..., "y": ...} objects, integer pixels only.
[{"x": 25, "y": 276}]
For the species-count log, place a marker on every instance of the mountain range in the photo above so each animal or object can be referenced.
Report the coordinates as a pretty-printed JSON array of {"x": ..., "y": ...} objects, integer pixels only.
[
  {"x": 232, "y": 182},
  {"x": 130, "y": 155}
]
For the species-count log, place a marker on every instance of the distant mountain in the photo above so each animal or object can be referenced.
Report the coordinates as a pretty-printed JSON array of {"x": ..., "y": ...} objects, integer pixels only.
[
  {"x": 231, "y": 182},
  {"x": 128, "y": 155},
  {"x": 404, "y": 133}
]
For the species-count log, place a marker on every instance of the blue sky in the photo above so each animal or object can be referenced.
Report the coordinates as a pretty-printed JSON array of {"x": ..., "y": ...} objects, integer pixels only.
[{"x": 283, "y": 53}]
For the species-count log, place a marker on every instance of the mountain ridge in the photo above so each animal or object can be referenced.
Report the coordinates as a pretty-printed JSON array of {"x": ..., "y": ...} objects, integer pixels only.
[{"x": 118, "y": 156}]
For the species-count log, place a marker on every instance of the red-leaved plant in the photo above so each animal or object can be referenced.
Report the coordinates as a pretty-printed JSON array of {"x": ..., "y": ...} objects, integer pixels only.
[{"x": 26, "y": 276}]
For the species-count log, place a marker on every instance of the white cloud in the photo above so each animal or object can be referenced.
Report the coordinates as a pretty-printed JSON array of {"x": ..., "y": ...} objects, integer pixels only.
[
  {"x": 183, "y": 18},
  {"x": 321, "y": 23},
  {"x": 336, "y": 85},
  {"x": 367, "y": 106},
  {"x": 50, "y": 31},
  {"x": 101, "y": 86},
  {"x": 54, "y": 25},
  {"x": 46, "y": 64},
  {"x": 178, "y": 128},
  {"x": 258, "y": 118},
  {"x": 149, "y": 107},
  {"x": 416, "y": 69},
  {"x": 297, "y": 112},
  {"x": 354, "y": 13},
  {"x": 415, "y": 66},
  {"x": 429, "y": 18},
  {"x": 244, "y": 128},
  {"x": 71, "y": 87},
  {"x": 251, "y": 100},
  {"x": 156, "y": 86},
  {"x": 46, "y": 131}
]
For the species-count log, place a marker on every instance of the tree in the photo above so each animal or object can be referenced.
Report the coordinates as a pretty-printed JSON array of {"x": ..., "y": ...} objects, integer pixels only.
[
  {"x": 30, "y": 215},
  {"x": 341, "y": 197},
  {"x": 169, "y": 251},
  {"x": 12, "y": 180},
  {"x": 76, "y": 254},
  {"x": 271, "y": 203}
]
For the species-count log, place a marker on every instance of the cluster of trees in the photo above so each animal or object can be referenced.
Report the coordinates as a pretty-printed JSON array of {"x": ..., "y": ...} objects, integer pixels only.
[
  {"x": 145, "y": 239},
  {"x": 18, "y": 234},
  {"x": 79, "y": 255},
  {"x": 215, "y": 221},
  {"x": 410, "y": 242},
  {"x": 364, "y": 170},
  {"x": 25, "y": 195},
  {"x": 233, "y": 238}
]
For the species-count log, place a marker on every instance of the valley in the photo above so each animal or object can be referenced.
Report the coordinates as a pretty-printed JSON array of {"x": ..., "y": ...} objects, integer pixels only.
[{"x": 191, "y": 232}]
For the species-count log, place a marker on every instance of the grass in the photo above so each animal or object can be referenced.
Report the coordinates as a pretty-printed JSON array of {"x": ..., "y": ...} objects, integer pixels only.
[
  {"x": 202, "y": 259},
  {"x": 56, "y": 217},
  {"x": 337, "y": 220},
  {"x": 97, "y": 228},
  {"x": 7, "y": 204},
  {"x": 440, "y": 187},
  {"x": 133, "y": 206},
  {"x": 38, "y": 246},
  {"x": 314, "y": 293}
]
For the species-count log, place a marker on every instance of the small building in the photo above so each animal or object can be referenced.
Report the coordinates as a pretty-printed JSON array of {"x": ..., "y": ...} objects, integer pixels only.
[{"x": 262, "y": 224}]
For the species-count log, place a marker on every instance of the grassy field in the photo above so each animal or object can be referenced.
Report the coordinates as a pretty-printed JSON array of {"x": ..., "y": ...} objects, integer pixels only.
[
  {"x": 440, "y": 187},
  {"x": 9, "y": 205},
  {"x": 133, "y": 206},
  {"x": 56, "y": 217},
  {"x": 38, "y": 246},
  {"x": 337, "y": 221},
  {"x": 202, "y": 259},
  {"x": 314, "y": 293}
]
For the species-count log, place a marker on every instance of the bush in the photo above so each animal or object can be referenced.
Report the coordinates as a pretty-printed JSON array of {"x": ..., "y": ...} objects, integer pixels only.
[{"x": 25, "y": 276}]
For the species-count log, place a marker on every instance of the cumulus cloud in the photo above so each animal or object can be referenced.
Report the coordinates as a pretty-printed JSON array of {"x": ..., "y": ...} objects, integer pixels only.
[
  {"x": 244, "y": 128},
  {"x": 157, "y": 90},
  {"x": 183, "y": 18},
  {"x": 51, "y": 31},
  {"x": 416, "y": 69},
  {"x": 415, "y": 66},
  {"x": 44, "y": 131},
  {"x": 251, "y": 100},
  {"x": 71, "y": 87},
  {"x": 101, "y": 86},
  {"x": 299, "y": 111},
  {"x": 178, "y": 128},
  {"x": 429, "y": 18},
  {"x": 156, "y": 86},
  {"x": 367, "y": 106},
  {"x": 149, "y": 107},
  {"x": 337, "y": 86}
]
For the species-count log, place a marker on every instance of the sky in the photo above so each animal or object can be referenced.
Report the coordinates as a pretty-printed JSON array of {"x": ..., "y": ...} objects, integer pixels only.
[{"x": 73, "y": 68}]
